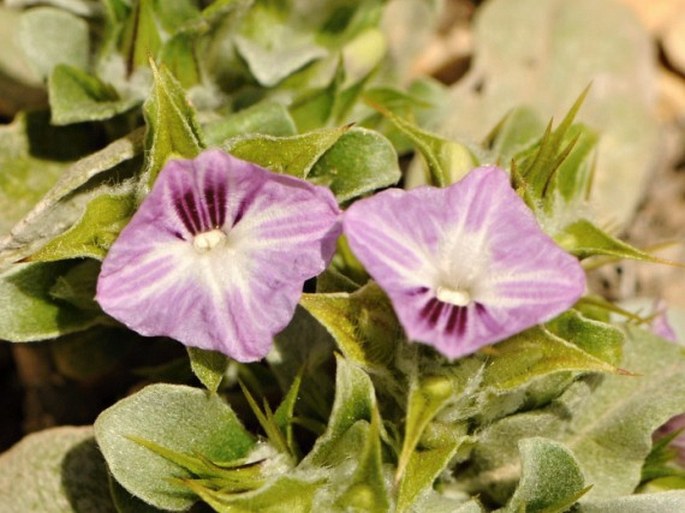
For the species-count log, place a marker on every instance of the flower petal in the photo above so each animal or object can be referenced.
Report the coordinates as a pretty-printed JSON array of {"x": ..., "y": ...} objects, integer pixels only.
[
  {"x": 238, "y": 288},
  {"x": 474, "y": 243}
]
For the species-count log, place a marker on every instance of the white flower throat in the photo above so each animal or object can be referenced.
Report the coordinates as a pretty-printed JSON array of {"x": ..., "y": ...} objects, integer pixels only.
[
  {"x": 456, "y": 297},
  {"x": 206, "y": 241}
]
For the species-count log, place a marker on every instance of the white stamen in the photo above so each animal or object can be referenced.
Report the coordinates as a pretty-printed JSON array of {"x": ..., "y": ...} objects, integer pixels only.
[
  {"x": 207, "y": 241},
  {"x": 454, "y": 297}
]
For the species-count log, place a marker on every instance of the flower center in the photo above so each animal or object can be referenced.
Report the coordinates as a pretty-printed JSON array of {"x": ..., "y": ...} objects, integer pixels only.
[
  {"x": 206, "y": 241},
  {"x": 453, "y": 297}
]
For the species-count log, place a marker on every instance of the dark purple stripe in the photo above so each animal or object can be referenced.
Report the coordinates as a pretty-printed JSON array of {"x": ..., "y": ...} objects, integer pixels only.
[
  {"x": 436, "y": 313},
  {"x": 486, "y": 318},
  {"x": 457, "y": 320},
  {"x": 215, "y": 200},
  {"x": 461, "y": 323},
  {"x": 427, "y": 310},
  {"x": 452, "y": 319},
  {"x": 187, "y": 211},
  {"x": 242, "y": 207},
  {"x": 249, "y": 200},
  {"x": 417, "y": 291},
  {"x": 432, "y": 311}
]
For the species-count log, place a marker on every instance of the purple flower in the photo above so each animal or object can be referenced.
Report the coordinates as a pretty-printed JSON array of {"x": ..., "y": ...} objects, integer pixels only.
[
  {"x": 676, "y": 423},
  {"x": 217, "y": 254},
  {"x": 464, "y": 266},
  {"x": 660, "y": 325}
]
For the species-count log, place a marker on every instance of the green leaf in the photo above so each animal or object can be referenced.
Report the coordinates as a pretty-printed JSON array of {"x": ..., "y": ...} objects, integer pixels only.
[
  {"x": 24, "y": 178},
  {"x": 284, "y": 495},
  {"x": 284, "y": 415},
  {"x": 423, "y": 467},
  {"x": 355, "y": 401},
  {"x": 612, "y": 433},
  {"x": 269, "y": 66},
  {"x": 267, "y": 422},
  {"x": 92, "y": 235},
  {"x": 59, "y": 470},
  {"x": 100, "y": 173},
  {"x": 575, "y": 174},
  {"x": 15, "y": 68},
  {"x": 672, "y": 501},
  {"x": 447, "y": 161},
  {"x": 77, "y": 285},
  {"x": 141, "y": 38},
  {"x": 294, "y": 155},
  {"x": 551, "y": 479},
  {"x": 606, "y": 421},
  {"x": 77, "y": 96},
  {"x": 359, "y": 162},
  {"x": 178, "y": 55},
  {"x": 127, "y": 503},
  {"x": 362, "y": 55},
  {"x": 599, "y": 339},
  {"x": 662, "y": 460},
  {"x": 583, "y": 239},
  {"x": 31, "y": 312},
  {"x": 305, "y": 348},
  {"x": 266, "y": 118},
  {"x": 208, "y": 366},
  {"x": 367, "y": 490},
  {"x": 317, "y": 96},
  {"x": 427, "y": 396},
  {"x": 332, "y": 280},
  {"x": 51, "y": 36},
  {"x": 178, "y": 16},
  {"x": 664, "y": 484},
  {"x": 172, "y": 128},
  {"x": 511, "y": 69},
  {"x": 233, "y": 476},
  {"x": 534, "y": 353},
  {"x": 182, "y": 419},
  {"x": 363, "y": 324},
  {"x": 537, "y": 168},
  {"x": 516, "y": 132},
  {"x": 273, "y": 46}
]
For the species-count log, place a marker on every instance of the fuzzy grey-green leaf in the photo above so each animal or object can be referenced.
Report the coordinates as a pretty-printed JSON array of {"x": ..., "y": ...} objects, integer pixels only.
[
  {"x": 183, "y": 419},
  {"x": 665, "y": 502},
  {"x": 77, "y": 96},
  {"x": 51, "y": 36},
  {"x": 294, "y": 155},
  {"x": 92, "y": 235},
  {"x": 208, "y": 366},
  {"x": 355, "y": 401},
  {"x": 173, "y": 130},
  {"x": 65, "y": 202},
  {"x": 359, "y": 162},
  {"x": 31, "y": 312},
  {"x": 59, "y": 470},
  {"x": 607, "y": 421},
  {"x": 551, "y": 479}
]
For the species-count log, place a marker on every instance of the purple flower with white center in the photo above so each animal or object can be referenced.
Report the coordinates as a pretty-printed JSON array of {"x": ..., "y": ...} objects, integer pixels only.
[
  {"x": 464, "y": 266},
  {"x": 217, "y": 254}
]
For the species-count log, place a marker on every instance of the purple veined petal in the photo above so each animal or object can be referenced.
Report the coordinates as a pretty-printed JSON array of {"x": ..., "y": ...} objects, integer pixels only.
[
  {"x": 464, "y": 266},
  {"x": 217, "y": 254}
]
